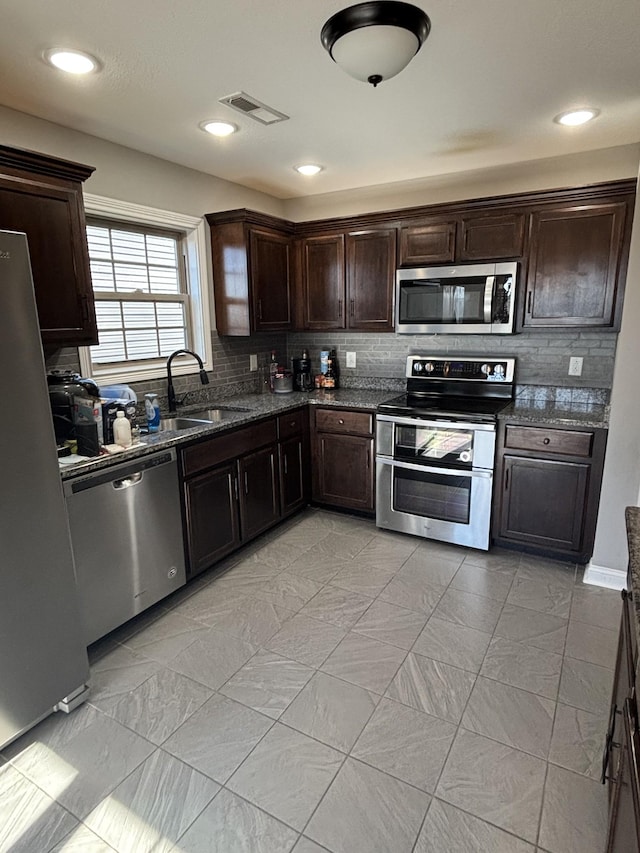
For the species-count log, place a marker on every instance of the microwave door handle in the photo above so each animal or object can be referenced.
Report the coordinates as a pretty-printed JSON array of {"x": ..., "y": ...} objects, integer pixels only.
[{"x": 488, "y": 298}]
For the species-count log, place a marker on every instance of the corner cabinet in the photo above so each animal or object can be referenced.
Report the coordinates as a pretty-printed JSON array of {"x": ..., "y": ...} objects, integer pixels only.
[
  {"x": 42, "y": 196},
  {"x": 343, "y": 458},
  {"x": 577, "y": 263},
  {"x": 535, "y": 462},
  {"x": 348, "y": 280},
  {"x": 252, "y": 272}
]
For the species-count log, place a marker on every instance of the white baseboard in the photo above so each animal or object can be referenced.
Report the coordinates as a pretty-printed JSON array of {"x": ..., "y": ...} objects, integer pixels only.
[{"x": 602, "y": 576}]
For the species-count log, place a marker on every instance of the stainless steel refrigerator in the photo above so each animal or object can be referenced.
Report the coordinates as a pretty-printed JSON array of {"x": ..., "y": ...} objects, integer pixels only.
[{"x": 43, "y": 660}]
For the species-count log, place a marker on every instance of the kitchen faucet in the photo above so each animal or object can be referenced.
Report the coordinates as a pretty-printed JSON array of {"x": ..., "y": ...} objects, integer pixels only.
[{"x": 171, "y": 394}]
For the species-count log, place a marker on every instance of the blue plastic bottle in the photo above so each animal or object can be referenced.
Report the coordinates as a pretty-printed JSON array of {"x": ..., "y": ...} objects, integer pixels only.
[{"x": 152, "y": 408}]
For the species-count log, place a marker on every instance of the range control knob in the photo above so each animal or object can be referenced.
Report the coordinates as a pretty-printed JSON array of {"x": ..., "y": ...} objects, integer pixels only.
[
  {"x": 486, "y": 369},
  {"x": 417, "y": 367},
  {"x": 429, "y": 367}
]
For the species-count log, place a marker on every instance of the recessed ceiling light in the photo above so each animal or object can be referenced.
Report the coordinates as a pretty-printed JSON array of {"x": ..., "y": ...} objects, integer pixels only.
[
  {"x": 72, "y": 61},
  {"x": 219, "y": 128},
  {"x": 575, "y": 117},
  {"x": 308, "y": 169}
]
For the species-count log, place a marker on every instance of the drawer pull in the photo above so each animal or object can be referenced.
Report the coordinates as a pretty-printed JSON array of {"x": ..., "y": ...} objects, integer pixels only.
[
  {"x": 529, "y": 302},
  {"x": 547, "y": 441}
]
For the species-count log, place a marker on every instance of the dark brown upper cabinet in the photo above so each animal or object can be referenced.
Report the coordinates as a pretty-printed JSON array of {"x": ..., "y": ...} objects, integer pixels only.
[
  {"x": 427, "y": 243},
  {"x": 252, "y": 276},
  {"x": 491, "y": 237},
  {"x": 42, "y": 196},
  {"x": 347, "y": 280},
  {"x": 576, "y": 265}
]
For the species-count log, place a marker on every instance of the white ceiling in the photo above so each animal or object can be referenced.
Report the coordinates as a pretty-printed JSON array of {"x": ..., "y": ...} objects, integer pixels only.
[{"x": 482, "y": 91}]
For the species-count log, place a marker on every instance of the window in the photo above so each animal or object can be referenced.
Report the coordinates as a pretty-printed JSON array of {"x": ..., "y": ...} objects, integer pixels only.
[{"x": 146, "y": 270}]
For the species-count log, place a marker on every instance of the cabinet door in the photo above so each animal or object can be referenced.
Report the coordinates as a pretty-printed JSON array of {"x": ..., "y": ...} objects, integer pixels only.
[
  {"x": 371, "y": 267},
  {"x": 53, "y": 219},
  {"x": 427, "y": 243},
  {"x": 344, "y": 471},
  {"x": 292, "y": 474},
  {"x": 259, "y": 504},
  {"x": 574, "y": 263},
  {"x": 323, "y": 282},
  {"x": 271, "y": 280},
  {"x": 213, "y": 528},
  {"x": 489, "y": 238},
  {"x": 528, "y": 515}
]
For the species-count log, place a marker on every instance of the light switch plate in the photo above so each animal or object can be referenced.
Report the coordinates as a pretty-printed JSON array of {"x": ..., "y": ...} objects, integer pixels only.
[
  {"x": 351, "y": 359},
  {"x": 253, "y": 362},
  {"x": 575, "y": 365}
]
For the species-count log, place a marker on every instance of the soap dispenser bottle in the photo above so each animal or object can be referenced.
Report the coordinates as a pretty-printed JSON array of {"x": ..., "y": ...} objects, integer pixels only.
[
  {"x": 152, "y": 409},
  {"x": 122, "y": 430}
]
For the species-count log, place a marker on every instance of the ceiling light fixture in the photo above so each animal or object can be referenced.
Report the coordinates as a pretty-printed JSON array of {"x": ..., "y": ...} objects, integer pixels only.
[
  {"x": 573, "y": 118},
  {"x": 308, "y": 169},
  {"x": 375, "y": 41},
  {"x": 219, "y": 128},
  {"x": 71, "y": 61}
]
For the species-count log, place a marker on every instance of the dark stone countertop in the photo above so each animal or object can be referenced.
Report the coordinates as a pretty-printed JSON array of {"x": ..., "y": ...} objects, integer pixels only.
[
  {"x": 556, "y": 413},
  {"x": 632, "y": 517}
]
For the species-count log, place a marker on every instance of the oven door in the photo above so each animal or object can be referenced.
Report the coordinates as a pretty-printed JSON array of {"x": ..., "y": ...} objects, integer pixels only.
[{"x": 438, "y": 503}]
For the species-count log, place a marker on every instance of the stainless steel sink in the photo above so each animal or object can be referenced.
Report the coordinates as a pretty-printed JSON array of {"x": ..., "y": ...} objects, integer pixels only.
[
  {"x": 219, "y": 413},
  {"x": 179, "y": 423}
]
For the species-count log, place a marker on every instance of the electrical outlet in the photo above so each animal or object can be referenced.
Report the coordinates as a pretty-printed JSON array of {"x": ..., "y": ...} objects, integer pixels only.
[
  {"x": 253, "y": 362},
  {"x": 575, "y": 365},
  {"x": 351, "y": 359}
]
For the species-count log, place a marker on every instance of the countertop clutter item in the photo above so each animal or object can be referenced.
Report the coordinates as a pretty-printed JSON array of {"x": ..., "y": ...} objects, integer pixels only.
[
  {"x": 273, "y": 369},
  {"x": 302, "y": 380},
  {"x": 43, "y": 658},
  {"x": 122, "y": 430},
  {"x": 64, "y": 386},
  {"x": 283, "y": 382},
  {"x": 152, "y": 409}
]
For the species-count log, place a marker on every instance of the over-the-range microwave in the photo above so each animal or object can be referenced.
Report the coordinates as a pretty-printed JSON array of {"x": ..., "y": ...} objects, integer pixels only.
[{"x": 474, "y": 299}]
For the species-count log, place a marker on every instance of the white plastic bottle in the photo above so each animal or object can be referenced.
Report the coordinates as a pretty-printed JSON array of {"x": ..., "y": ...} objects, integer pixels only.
[{"x": 122, "y": 430}]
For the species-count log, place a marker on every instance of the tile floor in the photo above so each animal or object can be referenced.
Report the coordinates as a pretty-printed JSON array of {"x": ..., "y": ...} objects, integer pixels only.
[{"x": 336, "y": 688}]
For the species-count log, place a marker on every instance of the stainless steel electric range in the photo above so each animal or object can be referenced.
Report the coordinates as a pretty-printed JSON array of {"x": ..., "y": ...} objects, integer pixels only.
[{"x": 435, "y": 448}]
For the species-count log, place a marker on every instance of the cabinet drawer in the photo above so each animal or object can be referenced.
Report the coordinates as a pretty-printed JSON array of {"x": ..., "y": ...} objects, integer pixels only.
[
  {"x": 567, "y": 442},
  {"x": 292, "y": 423},
  {"x": 356, "y": 423},
  {"x": 201, "y": 456}
]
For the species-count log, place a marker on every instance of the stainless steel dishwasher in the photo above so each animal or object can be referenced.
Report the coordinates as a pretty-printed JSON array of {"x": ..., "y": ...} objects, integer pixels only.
[{"x": 126, "y": 532}]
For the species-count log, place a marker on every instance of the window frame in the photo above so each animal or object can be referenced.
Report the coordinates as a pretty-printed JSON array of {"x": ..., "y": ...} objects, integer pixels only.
[{"x": 199, "y": 319}]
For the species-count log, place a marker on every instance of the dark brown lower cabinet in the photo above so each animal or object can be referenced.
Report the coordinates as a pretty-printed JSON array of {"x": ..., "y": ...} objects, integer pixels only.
[
  {"x": 292, "y": 475},
  {"x": 343, "y": 459},
  {"x": 213, "y": 520},
  {"x": 259, "y": 498}
]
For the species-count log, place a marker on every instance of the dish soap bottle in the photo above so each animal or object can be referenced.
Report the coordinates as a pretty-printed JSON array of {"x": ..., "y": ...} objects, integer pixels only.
[
  {"x": 273, "y": 369},
  {"x": 152, "y": 408},
  {"x": 122, "y": 430}
]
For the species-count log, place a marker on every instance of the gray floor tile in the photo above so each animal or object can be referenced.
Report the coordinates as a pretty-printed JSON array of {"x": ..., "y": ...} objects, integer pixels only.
[
  {"x": 337, "y": 606},
  {"x": 541, "y": 595},
  {"x": 218, "y": 737},
  {"x": 557, "y": 572},
  {"x": 303, "y": 536},
  {"x": 331, "y": 711},
  {"x": 166, "y": 637},
  {"x": 80, "y": 761},
  {"x": 287, "y": 775},
  {"x": 82, "y": 840},
  {"x": 433, "y": 568},
  {"x": 305, "y": 845},
  {"x": 432, "y": 686},
  {"x": 592, "y": 643},
  {"x": 160, "y": 705},
  {"x": 448, "y": 830},
  {"x": 411, "y": 587},
  {"x": 118, "y": 673},
  {"x": 366, "y": 811},
  {"x": 213, "y": 658},
  {"x": 597, "y": 606},
  {"x": 495, "y": 783},
  {"x": 318, "y": 566},
  {"x": 407, "y": 744},
  {"x": 276, "y": 554},
  {"x": 232, "y": 825},
  {"x": 251, "y": 619},
  {"x": 287, "y": 590},
  {"x": 29, "y": 819},
  {"x": 465, "y": 608},
  {"x": 454, "y": 644},
  {"x": 152, "y": 808},
  {"x": 307, "y": 640},
  {"x": 586, "y": 686},
  {"x": 574, "y": 815},
  {"x": 388, "y": 550},
  {"x": 512, "y": 716},
  {"x": 532, "y": 628},
  {"x": 578, "y": 740},
  {"x": 365, "y": 662},
  {"x": 344, "y": 545},
  {"x": 363, "y": 577},
  {"x": 495, "y": 559},
  {"x": 267, "y": 683},
  {"x": 217, "y": 597},
  {"x": 488, "y": 583},
  {"x": 391, "y": 624},
  {"x": 523, "y": 666}
]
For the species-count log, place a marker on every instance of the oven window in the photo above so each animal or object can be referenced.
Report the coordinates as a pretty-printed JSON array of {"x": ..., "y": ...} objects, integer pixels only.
[
  {"x": 446, "y": 446},
  {"x": 436, "y": 302},
  {"x": 439, "y": 496}
]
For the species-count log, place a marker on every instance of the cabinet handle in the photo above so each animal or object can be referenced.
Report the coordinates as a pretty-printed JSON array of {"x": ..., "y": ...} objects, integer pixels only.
[
  {"x": 286, "y": 465},
  {"x": 529, "y": 299},
  {"x": 352, "y": 307},
  {"x": 260, "y": 309},
  {"x": 235, "y": 487},
  {"x": 246, "y": 483},
  {"x": 84, "y": 308},
  {"x": 608, "y": 743},
  {"x": 506, "y": 480},
  {"x": 546, "y": 441}
]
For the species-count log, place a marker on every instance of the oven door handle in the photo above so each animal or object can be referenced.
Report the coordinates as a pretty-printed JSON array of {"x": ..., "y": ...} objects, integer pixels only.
[
  {"x": 488, "y": 298},
  {"x": 449, "y": 423},
  {"x": 428, "y": 469}
]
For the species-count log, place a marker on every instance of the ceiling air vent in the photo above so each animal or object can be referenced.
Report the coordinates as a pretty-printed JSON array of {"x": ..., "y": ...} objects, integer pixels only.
[{"x": 253, "y": 108}]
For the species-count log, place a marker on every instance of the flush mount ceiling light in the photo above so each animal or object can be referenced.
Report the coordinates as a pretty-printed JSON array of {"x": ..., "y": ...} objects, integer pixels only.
[
  {"x": 71, "y": 61},
  {"x": 375, "y": 41},
  {"x": 308, "y": 169},
  {"x": 573, "y": 118},
  {"x": 218, "y": 128}
]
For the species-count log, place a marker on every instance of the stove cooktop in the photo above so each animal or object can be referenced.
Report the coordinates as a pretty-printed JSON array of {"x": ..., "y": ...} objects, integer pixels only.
[{"x": 480, "y": 408}]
